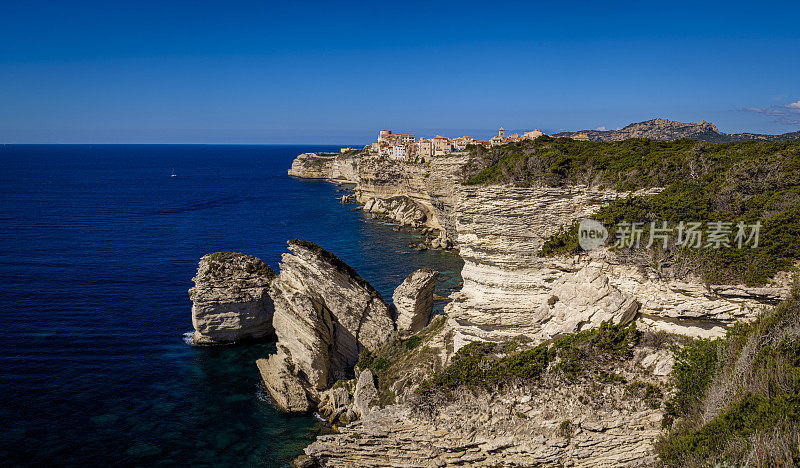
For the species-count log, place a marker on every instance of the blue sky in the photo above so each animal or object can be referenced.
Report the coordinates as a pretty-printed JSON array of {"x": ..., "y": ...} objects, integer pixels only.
[{"x": 337, "y": 72}]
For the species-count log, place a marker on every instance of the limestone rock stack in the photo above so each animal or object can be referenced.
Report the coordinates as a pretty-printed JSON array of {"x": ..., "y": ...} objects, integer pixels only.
[
  {"x": 231, "y": 299},
  {"x": 325, "y": 315},
  {"x": 366, "y": 394},
  {"x": 413, "y": 300}
]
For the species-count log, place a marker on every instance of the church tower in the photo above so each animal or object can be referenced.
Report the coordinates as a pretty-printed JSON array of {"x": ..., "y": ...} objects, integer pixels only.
[{"x": 501, "y": 133}]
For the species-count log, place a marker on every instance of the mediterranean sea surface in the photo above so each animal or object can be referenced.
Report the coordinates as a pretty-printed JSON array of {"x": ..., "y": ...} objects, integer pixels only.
[{"x": 98, "y": 246}]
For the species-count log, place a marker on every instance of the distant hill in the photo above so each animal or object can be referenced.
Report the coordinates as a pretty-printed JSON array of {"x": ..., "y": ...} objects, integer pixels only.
[{"x": 663, "y": 129}]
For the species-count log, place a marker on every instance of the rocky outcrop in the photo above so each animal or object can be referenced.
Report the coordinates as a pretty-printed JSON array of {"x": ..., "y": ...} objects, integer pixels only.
[
  {"x": 508, "y": 288},
  {"x": 230, "y": 299},
  {"x": 332, "y": 166},
  {"x": 325, "y": 315},
  {"x": 336, "y": 403},
  {"x": 584, "y": 300},
  {"x": 312, "y": 166},
  {"x": 415, "y": 194},
  {"x": 413, "y": 300},
  {"x": 500, "y": 230},
  {"x": 431, "y": 186},
  {"x": 349, "y": 400},
  {"x": 403, "y": 210},
  {"x": 551, "y": 422},
  {"x": 288, "y": 391},
  {"x": 365, "y": 397}
]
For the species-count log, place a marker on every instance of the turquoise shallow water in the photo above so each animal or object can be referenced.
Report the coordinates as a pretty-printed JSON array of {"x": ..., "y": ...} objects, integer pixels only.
[{"x": 97, "y": 250}]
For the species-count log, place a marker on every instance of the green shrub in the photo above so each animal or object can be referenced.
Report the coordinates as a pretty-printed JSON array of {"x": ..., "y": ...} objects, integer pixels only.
[
  {"x": 412, "y": 342},
  {"x": 565, "y": 429},
  {"x": 365, "y": 359},
  {"x": 487, "y": 365},
  {"x": 577, "y": 351},
  {"x": 610, "y": 377},
  {"x": 692, "y": 372},
  {"x": 564, "y": 242},
  {"x": 526, "y": 364},
  {"x": 748, "y": 384},
  {"x": 751, "y": 414},
  {"x": 649, "y": 393}
]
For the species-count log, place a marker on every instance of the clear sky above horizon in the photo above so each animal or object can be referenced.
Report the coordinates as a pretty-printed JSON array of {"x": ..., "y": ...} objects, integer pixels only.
[{"x": 337, "y": 72}]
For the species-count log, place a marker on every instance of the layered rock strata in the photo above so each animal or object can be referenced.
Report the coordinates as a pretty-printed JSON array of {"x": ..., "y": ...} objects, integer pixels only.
[
  {"x": 510, "y": 291},
  {"x": 507, "y": 285},
  {"x": 584, "y": 300},
  {"x": 499, "y": 230},
  {"x": 287, "y": 390},
  {"x": 325, "y": 315},
  {"x": 413, "y": 300},
  {"x": 230, "y": 299},
  {"x": 429, "y": 186}
]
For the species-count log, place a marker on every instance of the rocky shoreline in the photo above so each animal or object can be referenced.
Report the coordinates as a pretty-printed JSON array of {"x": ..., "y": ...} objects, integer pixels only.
[{"x": 379, "y": 373}]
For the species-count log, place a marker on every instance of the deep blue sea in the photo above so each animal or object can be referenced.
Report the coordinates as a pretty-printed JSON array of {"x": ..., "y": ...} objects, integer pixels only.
[{"x": 98, "y": 245}]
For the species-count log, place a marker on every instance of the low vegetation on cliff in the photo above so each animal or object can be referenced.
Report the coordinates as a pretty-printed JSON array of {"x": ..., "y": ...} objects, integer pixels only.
[
  {"x": 736, "y": 182},
  {"x": 738, "y": 398},
  {"x": 219, "y": 262},
  {"x": 584, "y": 354},
  {"x": 403, "y": 362}
]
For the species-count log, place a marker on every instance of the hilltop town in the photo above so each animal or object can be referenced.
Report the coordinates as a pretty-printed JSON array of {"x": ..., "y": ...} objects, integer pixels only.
[{"x": 404, "y": 146}]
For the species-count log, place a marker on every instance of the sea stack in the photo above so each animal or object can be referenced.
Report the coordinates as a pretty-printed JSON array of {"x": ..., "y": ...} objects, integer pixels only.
[
  {"x": 414, "y": 300},
  {"x": 231, "y": 299},
  {"x": 325, "y": 315}
]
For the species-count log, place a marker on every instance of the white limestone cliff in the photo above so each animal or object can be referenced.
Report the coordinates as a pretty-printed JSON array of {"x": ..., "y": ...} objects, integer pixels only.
[{"x": 498, "y": 231}]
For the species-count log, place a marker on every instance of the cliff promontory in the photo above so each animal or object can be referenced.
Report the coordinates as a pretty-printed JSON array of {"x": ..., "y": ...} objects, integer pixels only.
[{"x": 500, "y": 207}]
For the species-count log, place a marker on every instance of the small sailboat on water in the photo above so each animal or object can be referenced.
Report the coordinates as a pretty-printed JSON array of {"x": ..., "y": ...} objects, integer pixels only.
[{"x": 173, "y": 173}]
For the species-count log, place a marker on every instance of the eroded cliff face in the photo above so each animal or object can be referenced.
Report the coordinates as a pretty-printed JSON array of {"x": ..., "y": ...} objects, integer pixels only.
[
  {"x": 428, "y": 186},
  {"x": 431, "y": 185},
  {"x": 507, "y": 287},
  {"x": 336, "y": 167},
  {"x": 507, "y": 290}
]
